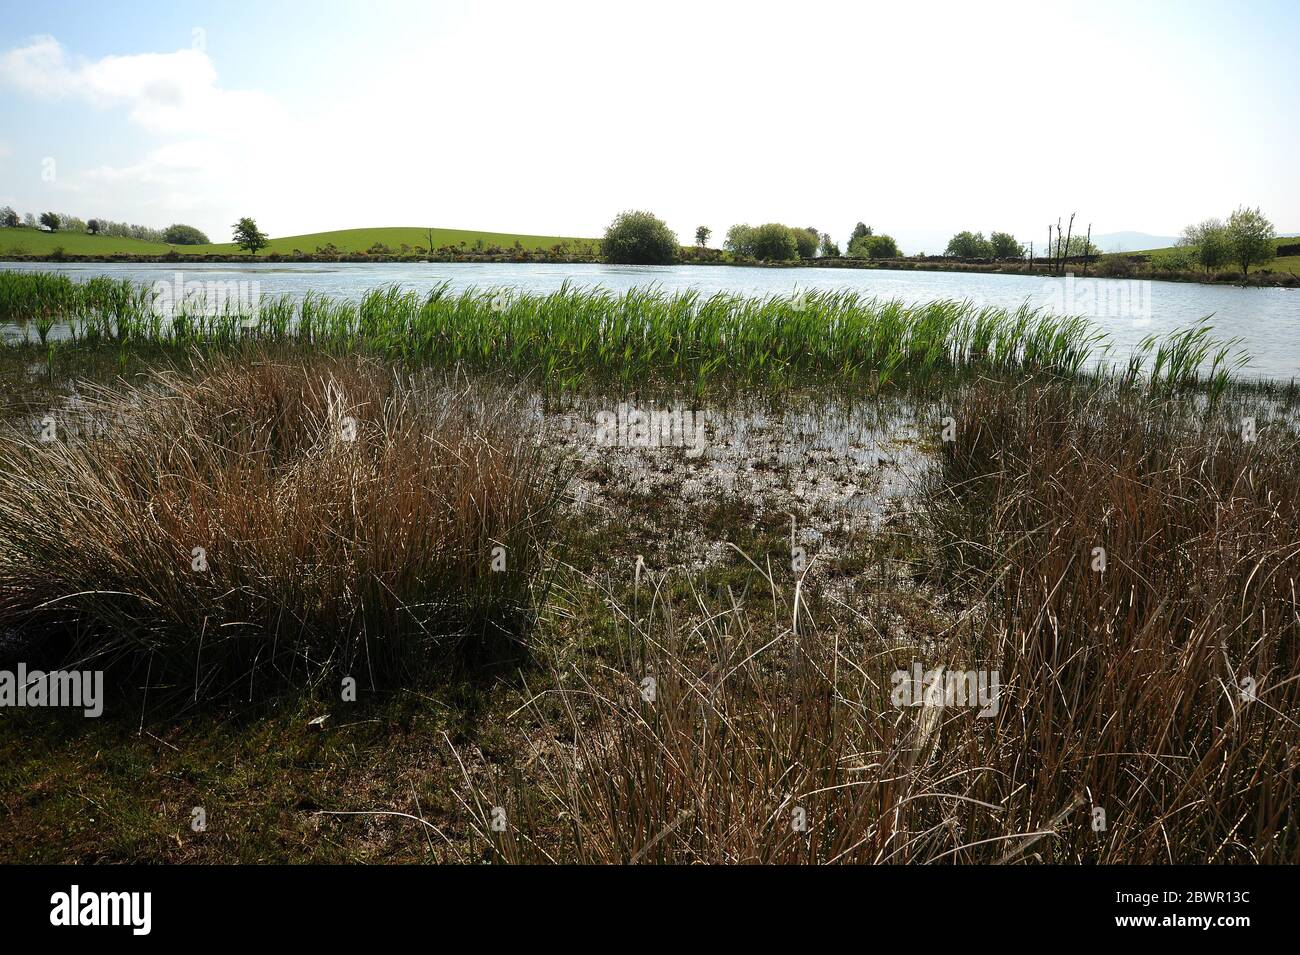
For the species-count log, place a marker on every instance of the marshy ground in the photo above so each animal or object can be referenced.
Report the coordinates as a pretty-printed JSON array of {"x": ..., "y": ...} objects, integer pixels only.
[{"x": 690, "y": 652}]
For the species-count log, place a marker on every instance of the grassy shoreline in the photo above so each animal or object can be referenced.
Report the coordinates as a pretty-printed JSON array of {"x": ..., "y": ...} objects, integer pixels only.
[
  {"x": 1261, "y": 278},
  {"x": 886, "y": 487}
]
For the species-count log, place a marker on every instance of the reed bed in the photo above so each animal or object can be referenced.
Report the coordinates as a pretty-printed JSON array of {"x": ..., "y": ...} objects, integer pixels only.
[
  {"x": 253, "y": 523},
  {"x": 1141, "y": 556},
  {"x": 644, "y": 334}
]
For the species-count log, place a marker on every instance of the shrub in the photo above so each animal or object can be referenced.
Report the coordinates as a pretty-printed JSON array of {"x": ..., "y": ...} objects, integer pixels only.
[
  {"x": 1114, "y": 266},
  {"x": 319, "y": 553},
  {"x": 774, "y": 242},
  {"x": 179, "y": 234},
  {"x": 639, "y": 238},
  {"x": 874, "y": 247},
  {"x": 1174, "y": 260},
  {"x": 969, "y": 245}
]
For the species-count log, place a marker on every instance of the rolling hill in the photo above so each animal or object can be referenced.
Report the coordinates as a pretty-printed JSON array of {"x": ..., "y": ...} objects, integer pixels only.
[
  {"x": 23, "y": 241},
  {"x": 1287, "y": 263}
]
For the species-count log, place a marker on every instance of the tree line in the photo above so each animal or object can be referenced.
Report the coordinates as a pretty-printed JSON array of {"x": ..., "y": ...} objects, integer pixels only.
[
  {"x": 973, "y": 245},
  {"x": 641, "y": 238},
  {"x": 176, "y": 234},
  {"x": 1246, "y": 239}
]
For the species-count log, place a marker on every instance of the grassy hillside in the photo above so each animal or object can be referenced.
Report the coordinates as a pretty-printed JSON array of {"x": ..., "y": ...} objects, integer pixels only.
[
  {"x": 1289, "y": 263},
  {"x": 36, "y": 242}
]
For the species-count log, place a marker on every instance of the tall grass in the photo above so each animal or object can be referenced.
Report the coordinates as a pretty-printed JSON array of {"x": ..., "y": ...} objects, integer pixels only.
[
  {"x": 1141, "y": 558},
  {"x": 262, "y": 522},
  {"x": 1148, "y": 711},
  {"x": 573, "y": 333}
]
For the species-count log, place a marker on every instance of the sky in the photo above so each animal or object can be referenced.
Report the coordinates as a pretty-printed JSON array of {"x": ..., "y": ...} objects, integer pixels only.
[{"x": 920, "y": 119}]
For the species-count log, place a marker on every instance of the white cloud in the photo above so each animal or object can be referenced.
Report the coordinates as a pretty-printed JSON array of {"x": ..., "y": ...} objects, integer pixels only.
[
  {"x": 214, "y": 139},
  {"x": 165, "y": 92}
]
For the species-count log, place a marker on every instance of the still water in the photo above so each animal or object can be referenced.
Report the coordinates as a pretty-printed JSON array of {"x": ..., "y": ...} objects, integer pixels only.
[{"x": 1266, "y": 320}]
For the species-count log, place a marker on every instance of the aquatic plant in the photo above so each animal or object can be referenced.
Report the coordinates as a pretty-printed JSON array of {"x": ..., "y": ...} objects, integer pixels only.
[{"x": 643, "y": 334}]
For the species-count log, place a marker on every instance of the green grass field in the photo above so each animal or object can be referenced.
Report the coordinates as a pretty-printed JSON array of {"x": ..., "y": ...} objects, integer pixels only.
[
  {"x": 1289, "y": 263},
  {"x": 22, "y": 241}
]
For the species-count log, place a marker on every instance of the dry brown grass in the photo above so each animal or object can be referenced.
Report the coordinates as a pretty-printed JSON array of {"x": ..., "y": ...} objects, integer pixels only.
[
  {"x": 1166, "y": 689},
  {"x": 347, "y": 515},
  {"x": 1123, "y": 693}
]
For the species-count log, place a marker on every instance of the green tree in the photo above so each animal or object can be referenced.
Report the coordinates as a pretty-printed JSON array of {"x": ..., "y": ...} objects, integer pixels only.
[
  {"x": 702, "y": 234},
  {"x": 771, "y": 241},
  {"x": 806, "y": 240},
  {"x": 874, "y": 247},
  {"x": 1003, "y": 245},
  {"x": 775, "y": 242},
  {"x": 830, "y": 248},
  {"x": 1209, "y": 242},
  {"x": 180, "y": 234},
  {"x": 94, "y": 226},
  {"x": 1251, "y": 238},
  {"x": 51, "y": 221},
  {"x": 740, "y": 240},
  {"x": 8, "y": 218},
  {"x": 248, "y": 236},
  {"x": 969, "y": 245},
  {"x": 859, "y": 231},
  {"x": 639, "y": 238}
]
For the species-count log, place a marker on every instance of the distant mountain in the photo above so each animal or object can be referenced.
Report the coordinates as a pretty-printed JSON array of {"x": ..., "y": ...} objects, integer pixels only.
[{"x": 1132, "y": 241}]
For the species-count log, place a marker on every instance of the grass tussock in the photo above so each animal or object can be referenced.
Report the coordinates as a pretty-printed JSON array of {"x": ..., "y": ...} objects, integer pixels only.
[
  {"x": 257, "y": 522},
  {"x": 765, "y": 740},
  {"x": 1147, "y": 710},
  {"x": 1140, "y": 558}
]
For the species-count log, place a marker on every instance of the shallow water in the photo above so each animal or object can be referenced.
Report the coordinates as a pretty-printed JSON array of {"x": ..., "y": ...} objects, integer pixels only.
[{"x": 1266, "y": 320}]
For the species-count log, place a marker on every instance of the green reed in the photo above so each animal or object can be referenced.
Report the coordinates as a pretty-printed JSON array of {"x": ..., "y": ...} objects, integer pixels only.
[{"x": 642, "y": 334}]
